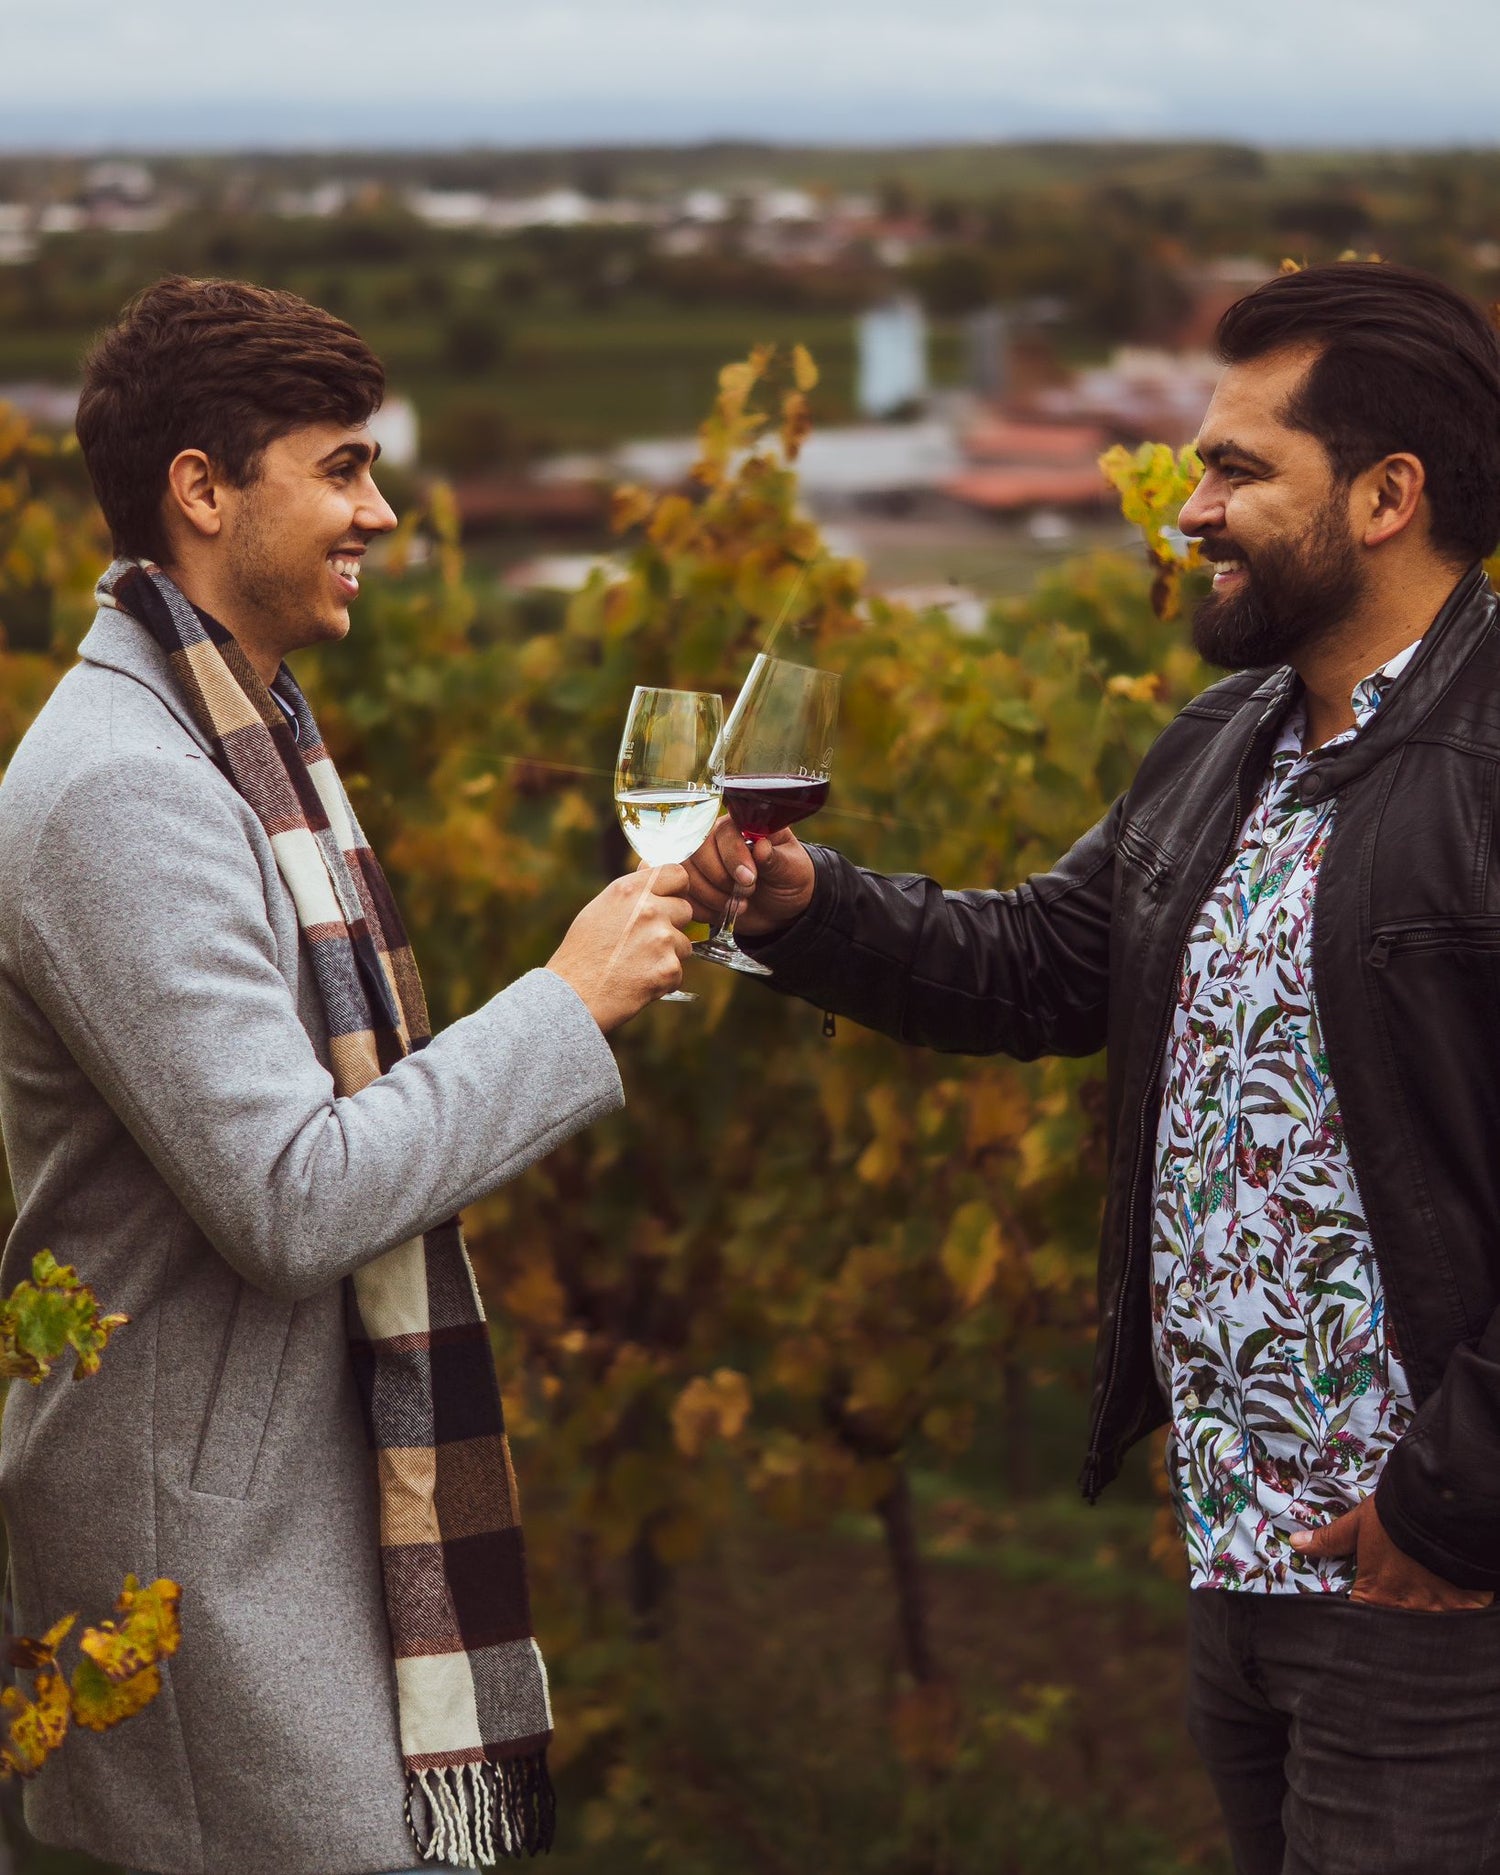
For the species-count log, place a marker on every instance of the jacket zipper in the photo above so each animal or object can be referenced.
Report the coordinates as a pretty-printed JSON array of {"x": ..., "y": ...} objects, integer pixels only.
[
  {"x": 1093, "y": 1464},
  {"x": 1483, "y": 934}
]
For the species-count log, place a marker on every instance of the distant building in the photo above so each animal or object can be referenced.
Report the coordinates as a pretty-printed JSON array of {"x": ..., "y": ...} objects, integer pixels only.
[
  {"x": 986, "y": 349},
  {"x": 1140, "y": 394},
  {"x": 561, "y": 572},
  {"x": 1212, "y": 288},
  {"x": 449, "y": 208},
  {"x": 872, "y": 466},
  {"x": 125, "y": 182},
  {"x": 966, "y": 609},
  {"x": 320, "y": 202},
  {"x": 707, "y": 205},
  {"x": 17, "y": 242},
  {"x": 1016, "y": 489},
  {"x": 61, "y": 218},
  {"x": 784, "y": 205},
  {"x": 892, "y": 358},
  {"x": 503, "y": 214}
]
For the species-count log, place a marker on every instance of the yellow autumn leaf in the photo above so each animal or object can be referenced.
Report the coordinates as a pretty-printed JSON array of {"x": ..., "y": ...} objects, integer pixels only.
[
  {"x": 574, "y": 813},
  {"x": 30, "y": 1654},
  {"x": 886, "y": 1153},
  {"x": 149, "y": 1631},
  {"x": 999, "y": 1112},
  {"x": 629, "y": 506},
  {"x": 796, "y": 424},
  {"x": 34, "y": 1727},
  {"x": 804, "y": 370},
  {"x": 535, "y": 1296},
  {"x": 972, "y": 1251},
  {"x": 42, "y": 1318},
  {"x": 710, "y": 1407},
  {"x": 99, "y": 1702},
  {"x": 1146, "y": 689}
]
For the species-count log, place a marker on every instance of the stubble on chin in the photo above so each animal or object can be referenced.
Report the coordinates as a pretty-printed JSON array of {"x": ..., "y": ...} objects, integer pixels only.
[{"x": 273, "y": 599}]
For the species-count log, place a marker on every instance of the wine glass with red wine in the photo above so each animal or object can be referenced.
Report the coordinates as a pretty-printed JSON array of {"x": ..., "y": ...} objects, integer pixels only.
[{"x": 773, "y": 762}]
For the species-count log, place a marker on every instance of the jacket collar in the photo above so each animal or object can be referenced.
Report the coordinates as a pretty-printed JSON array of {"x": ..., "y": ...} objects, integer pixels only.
[
  {"x": 1465, "y": 618},
  {"x": 117, "y": 642}
]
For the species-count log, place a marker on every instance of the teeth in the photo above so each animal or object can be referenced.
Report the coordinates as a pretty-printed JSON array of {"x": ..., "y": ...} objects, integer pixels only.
[{"x": 346, "y": 569}]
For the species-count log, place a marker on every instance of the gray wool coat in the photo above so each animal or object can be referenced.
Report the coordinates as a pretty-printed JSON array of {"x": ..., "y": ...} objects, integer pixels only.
[{"x": 171, "y": 1128}]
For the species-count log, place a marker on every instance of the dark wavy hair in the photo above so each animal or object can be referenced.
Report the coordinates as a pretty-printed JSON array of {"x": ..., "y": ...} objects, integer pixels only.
[
  {"x": 216, "y": 365},
  {"x": 1405, "y": 365}
]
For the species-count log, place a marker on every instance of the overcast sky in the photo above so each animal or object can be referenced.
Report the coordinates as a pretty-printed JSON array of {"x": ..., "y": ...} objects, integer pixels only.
[{"x": 163, "y": 73}]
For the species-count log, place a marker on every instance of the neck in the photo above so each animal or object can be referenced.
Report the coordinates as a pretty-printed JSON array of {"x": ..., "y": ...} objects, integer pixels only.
[
  {"x": 207, "y": 593},
  {"x": 1395, "y": 614}
]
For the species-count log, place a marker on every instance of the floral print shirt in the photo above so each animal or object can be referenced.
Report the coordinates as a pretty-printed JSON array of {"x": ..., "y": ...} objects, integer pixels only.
[{"x": 1284, "y": 1381}]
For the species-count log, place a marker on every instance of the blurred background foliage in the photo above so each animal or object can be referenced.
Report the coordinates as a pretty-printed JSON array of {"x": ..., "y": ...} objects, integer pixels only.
[{"x": 793, "y": 1347}]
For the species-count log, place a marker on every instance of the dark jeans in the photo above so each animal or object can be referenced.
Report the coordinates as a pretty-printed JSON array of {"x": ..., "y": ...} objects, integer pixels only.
[{"x": 1348, "y": 1740}]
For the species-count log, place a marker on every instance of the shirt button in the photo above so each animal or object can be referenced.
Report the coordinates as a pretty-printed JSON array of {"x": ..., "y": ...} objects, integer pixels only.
[
  {"x": 1312, "y": 788},
  {"x": 1190, "y": 1401},
  {"x": 1185, "y": 1290},
  {"x": 1192, "y": 1176}
]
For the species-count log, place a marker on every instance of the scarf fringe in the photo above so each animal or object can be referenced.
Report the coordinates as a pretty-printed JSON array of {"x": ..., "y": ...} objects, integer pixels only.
[{"x": 479, "y": 1812}]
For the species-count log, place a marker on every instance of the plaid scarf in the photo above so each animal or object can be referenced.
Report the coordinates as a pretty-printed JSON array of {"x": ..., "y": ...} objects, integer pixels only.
[{"x": 471, "y": 1686}]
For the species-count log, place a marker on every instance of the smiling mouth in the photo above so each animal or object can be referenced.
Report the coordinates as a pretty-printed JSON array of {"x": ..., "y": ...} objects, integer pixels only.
[
  {"x": 1227, "y": 570},
  {"x": 346, "y": 572}
]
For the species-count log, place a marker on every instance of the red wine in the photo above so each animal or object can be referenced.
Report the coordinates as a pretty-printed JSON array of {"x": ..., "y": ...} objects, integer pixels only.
[{"x": 760, "y": 805}]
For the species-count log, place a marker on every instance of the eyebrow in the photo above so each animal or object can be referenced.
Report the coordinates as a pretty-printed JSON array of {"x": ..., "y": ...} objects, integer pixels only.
[
  {"x": 1216, "y": 454},
  {"x": 356, "y": 452}
]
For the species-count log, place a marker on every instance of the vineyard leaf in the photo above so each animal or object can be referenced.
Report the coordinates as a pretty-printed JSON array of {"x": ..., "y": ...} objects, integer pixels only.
[
  {"x": 41, "y": 1318},
  {"x": 149, "y": 1632},
  {"x": 710, "y": 1408},
  {"x": 28, "y": 1654},
  {"x": 972, "y": 1251},
  {"x": 35, "y": 1727},
  {"x": 98, "y": 1702}
]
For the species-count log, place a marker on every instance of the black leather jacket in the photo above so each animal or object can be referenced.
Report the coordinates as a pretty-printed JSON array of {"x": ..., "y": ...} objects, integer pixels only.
[{"x": 1406, "y": 958}]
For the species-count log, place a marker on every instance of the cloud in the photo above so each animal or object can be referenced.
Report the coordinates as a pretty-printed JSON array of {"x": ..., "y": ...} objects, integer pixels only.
[{"x": 572, "y": 70}]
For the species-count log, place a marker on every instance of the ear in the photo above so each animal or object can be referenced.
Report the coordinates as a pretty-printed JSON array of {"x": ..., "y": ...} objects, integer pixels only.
[
  {"x": 1388, "y": 497},
  {"x": 194, "y": 495}
]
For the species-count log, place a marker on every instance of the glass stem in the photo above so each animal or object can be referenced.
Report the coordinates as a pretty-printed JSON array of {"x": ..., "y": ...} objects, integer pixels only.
[{"x": 732, "y": 910}]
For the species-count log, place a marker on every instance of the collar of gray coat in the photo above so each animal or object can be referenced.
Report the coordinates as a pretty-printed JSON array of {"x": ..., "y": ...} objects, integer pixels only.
[{"x": 117, "y": 642}]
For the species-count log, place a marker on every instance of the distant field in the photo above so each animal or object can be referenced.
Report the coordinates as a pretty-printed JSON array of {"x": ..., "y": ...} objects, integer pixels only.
[{"x": 570, "y": 379}]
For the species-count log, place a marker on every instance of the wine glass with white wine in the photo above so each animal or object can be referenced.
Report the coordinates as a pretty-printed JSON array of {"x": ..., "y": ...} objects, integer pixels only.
[{"x": 666, "y": 793}]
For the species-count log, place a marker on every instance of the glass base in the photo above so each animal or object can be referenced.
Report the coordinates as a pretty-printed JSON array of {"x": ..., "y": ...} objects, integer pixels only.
[{"x": 722, "y": 950}]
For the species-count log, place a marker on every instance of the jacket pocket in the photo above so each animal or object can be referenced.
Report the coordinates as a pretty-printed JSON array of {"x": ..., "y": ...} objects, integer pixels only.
[
  {"x": 1144, "y": 858},
  {"x": 239, "y": 1408},
  {"x": 1478, "y": 933}
]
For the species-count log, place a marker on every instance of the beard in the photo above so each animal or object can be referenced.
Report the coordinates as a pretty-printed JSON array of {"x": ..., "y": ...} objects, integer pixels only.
[{"x": 1292, "y": 595}]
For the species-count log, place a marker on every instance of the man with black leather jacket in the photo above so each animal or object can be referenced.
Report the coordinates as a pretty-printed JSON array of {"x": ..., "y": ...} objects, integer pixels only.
[{"x": 1287, "y": 935}]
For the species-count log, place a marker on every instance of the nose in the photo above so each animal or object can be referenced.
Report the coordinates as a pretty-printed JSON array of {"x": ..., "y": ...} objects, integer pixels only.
[
  {"x": 1203, "y": 508},
  {"x": 376, "y": 515}
]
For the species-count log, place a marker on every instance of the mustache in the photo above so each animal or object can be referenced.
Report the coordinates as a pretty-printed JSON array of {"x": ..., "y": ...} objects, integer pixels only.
[{"x": 1221, "y": 547}]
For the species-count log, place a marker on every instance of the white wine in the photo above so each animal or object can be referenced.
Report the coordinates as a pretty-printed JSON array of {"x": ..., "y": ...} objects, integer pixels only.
[{"x": 666, "y": 825}]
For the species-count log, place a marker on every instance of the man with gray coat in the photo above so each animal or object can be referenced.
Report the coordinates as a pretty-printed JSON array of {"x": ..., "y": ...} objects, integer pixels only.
[{"x": 221, "y": 1101}]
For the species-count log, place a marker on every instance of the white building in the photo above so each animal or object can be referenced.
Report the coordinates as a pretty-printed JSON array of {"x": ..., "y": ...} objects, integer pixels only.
[
  {"x": 17, "y": 243},
  {"x": 892, "y": 358}
]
